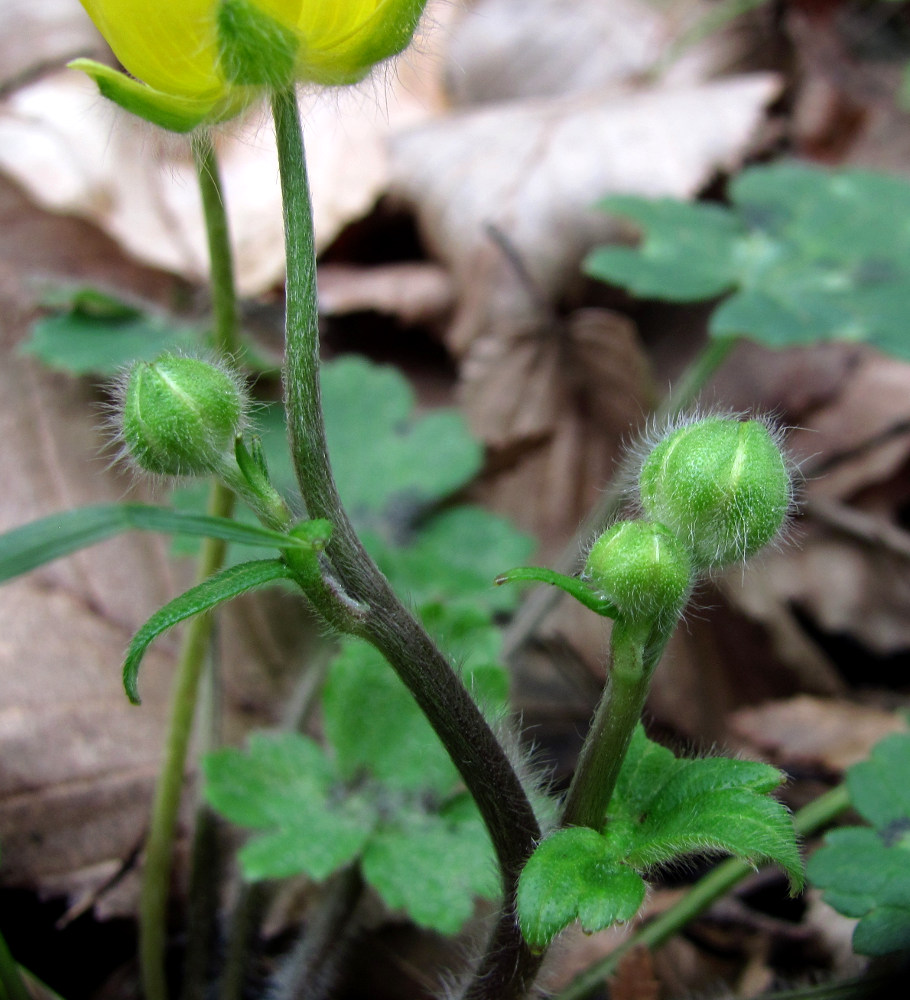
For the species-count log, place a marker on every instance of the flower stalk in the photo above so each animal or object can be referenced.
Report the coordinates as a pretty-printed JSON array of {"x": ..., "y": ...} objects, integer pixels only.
[{"x": 159, "y": 849}]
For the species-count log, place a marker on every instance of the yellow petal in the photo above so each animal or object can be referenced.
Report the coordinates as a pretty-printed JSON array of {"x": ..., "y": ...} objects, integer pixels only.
[
  {"x": 340, "y": 41},
  {"x": 171, "y": 46}
]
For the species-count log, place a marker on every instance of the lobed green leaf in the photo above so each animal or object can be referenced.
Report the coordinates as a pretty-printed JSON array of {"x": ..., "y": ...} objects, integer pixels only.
[
  {"x": 676, "y": 807},
  {"x": 92, "y": 333},
  {"x": 865, "y": 872},
  {"x": 404, "y": 462},
  {"x": 807, "y": 254},
  {"x": 283, "y": 784},
  {"x": 433, "y": 865},
  {"x": 575, "y": 874}
]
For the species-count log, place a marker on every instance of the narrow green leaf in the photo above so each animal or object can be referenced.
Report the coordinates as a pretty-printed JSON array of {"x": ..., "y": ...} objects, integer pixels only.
[
  {"x": 575, "y": 873},
  {"x": 32, "y": 545},
  {"x": 226, "y": 585}
]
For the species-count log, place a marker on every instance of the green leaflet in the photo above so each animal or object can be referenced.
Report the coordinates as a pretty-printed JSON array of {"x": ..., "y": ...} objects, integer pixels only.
[
  {"x": 663, "y": 808},
  {"x": 283, "y": 786},
  {"x": 575, "y": 874},
  {"x": 865, "y": 871},
  {"x": 803, "y": 254},
  {"x": 426, "y": 855},
  {"x": 32, "y": 545},
  {"x": 92, "y": 333},
  {"x": 232, "y": 582}
]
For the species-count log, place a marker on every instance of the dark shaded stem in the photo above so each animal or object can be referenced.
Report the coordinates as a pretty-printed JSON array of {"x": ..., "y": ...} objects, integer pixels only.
[
  {"x": 159, "y": 849},
  {"x": 12, "y": 984},
  {"x": 245, "y": 916},
  {"x": 635, "y": 652},
  {"x": 386, "y": 623},
  {"x": 707, "y": 890},
  {"x": 313, "y": 967}
]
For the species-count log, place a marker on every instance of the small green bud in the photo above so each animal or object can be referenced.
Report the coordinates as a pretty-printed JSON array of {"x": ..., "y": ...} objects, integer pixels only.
[
  {"x": 643, "y": 568},
  {"x": 179, "y": 415},
  {"x": 722, "y": 484}
]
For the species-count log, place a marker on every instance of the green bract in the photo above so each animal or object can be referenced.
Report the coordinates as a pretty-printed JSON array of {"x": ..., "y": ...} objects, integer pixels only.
[
  {"x": 721, "y": 484},
  {"x": 180, "y": 416},
  {"x": 642, "y": 568}
]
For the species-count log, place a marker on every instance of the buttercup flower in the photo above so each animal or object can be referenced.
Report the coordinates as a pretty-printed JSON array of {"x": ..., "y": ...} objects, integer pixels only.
[{"x": 198, "y": 61}]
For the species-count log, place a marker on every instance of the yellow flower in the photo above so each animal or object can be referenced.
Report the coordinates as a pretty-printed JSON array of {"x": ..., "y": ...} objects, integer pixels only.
[{"x": 196, "y": 61}]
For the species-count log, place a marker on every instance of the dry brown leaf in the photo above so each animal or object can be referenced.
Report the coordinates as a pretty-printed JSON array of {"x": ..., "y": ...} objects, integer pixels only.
[
  {"x": 504, "y": 195},
  {"x": 534, "y": 169},
  {"x": 553, "y": 401},
  {"x": 635, "y": 978},
  {"x": 77, "y": 154},
  {"x": 501, "y": 50},
  {"x": 36, "y": 36},
  {"x": 413, "y": 292},
  {"x": 814, "y": 732}
]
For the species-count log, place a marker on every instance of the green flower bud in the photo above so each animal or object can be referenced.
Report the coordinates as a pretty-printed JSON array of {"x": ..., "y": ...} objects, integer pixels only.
[
  {"x": 180, "y": 416},
  {"x": 643, "y": 568},
  {"x": 722, "y": 484}
]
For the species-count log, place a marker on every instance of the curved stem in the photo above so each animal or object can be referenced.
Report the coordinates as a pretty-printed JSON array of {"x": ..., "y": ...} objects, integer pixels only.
[
  {"x": 706, "y": 891},
  {"x": 386, "y": 623},
  {"x": 159, "y": 849}
]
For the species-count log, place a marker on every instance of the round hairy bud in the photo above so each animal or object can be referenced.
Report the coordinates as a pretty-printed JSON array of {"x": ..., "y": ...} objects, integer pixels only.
[
  {"x": 180, "y": 416},
  {"x": 721, "y": 484},
  {"x": 643, "y": 568}
]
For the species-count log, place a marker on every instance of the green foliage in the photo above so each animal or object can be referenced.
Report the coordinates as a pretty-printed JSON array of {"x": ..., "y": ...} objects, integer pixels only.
[
  {"x": 663, "y": 808},
  {"x": 576, "y": 873},
  {"x": 390, "y": 464},
  {"x": 93, "y": 333},
  {"x": 865, "y": 871},
  {"x": 803, "y": 254},
  {"x": 384, "y": 792},
  {"x": 32, "y": 545},
  {"x": 224, "y": 586}
]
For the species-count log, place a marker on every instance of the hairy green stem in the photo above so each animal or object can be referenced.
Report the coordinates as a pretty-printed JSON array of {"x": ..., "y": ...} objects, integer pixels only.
[
  {"x": 706, "y": 891},
  {"x": 221, "y": 262},
  {"x": 386, "y": 623},
  {"x": 635, "y": 653},
  {"x": 159, "y": 849}
]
